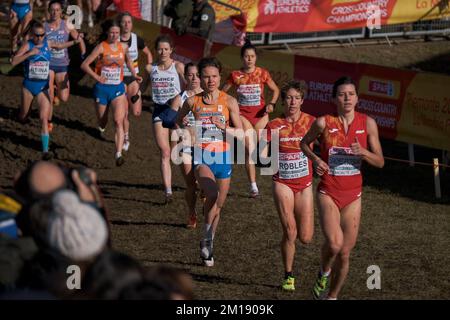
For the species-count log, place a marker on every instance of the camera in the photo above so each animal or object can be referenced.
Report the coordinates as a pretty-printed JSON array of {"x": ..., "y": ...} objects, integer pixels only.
[{"x": 83, "y": 174}]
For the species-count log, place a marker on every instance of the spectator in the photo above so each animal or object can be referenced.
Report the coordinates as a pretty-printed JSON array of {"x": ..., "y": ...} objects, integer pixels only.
[
  {"x": 181, "y": 13},
  {"x": 203, "y": 20}
]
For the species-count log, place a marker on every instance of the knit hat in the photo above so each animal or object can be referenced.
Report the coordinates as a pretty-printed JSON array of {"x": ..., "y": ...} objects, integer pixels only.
[{"x": 75, "y": 229}]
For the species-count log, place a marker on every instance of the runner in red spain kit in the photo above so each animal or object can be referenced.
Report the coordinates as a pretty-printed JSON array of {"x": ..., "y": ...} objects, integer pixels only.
[
  {"x": 347, "y": 138},
  {"x": 249, "y": 82},
  {"x": 292, "y": 184}
]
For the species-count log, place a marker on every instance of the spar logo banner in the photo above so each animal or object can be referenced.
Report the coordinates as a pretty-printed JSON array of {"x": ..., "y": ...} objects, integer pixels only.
[{"x": 326, "y": 15}]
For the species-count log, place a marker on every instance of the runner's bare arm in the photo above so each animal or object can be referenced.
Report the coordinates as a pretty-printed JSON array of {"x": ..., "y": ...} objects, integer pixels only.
[
  {"x": 85, "y": 66},
  {"x": 62, "y": 45},
  {"x": 275, "y": 94},
  {"x": 374, "y": 154},
  {"x": 129, "y": 63},
  {"x": 315, "y": 131},
  {"x": 23, "y": 53},
  {"x": 233, "y": 107},
  {"x": 148, "y": 54},
  {"x": 175, "y": 103},
  {"x": 180, "y": 69},
  {"x": 184, "y": 111},
  {"x": 78, "y": 36}
]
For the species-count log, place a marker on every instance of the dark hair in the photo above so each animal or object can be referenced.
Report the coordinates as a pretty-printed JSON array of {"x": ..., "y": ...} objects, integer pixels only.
[
  {"x": 209, "y": 62},
  {"x": 37, "y": 25},
  {"x": 122, "y": 15},
  {"x": 248, "y": 46},
  {"x": 108, "y": 24},
  {"x": 189, "y": 65},
  {"x": 110, "y": 274},
  {"x": 53, "y": 2},
  {"x": 297, "y": 85},
  {"x": 340, "y": 82},
  {"x": 163, "y": 38}
]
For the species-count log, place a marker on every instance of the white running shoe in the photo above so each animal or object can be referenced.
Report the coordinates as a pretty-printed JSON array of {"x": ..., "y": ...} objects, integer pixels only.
[
  {"x": 206, "y": 252},
  {"x": 126, "y": 145}
]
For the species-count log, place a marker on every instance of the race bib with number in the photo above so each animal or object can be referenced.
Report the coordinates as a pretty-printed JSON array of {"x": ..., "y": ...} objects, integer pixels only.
[
  {"x": 292, "y": 165},
  {"x": 163, "y": 89},
  {"x": 111, "y": 74},
  {"x": 209, "y": 132},
  {"x": 342, "y": 162},
  {"x": 249, "y": 95},
  {"x": 39, "y": 70},
  {"x": 58, "y": 54}
]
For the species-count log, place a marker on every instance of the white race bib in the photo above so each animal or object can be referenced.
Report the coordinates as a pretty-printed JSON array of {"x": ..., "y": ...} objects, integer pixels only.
[
  {"x": 209, "y": 132},
  {"x": 292, "y": 165},
  {"x": 163, "y": 91},
  {"x": 111, "y": 74},
  {"x": 249, "y": 95},
  {"x": 342, "y": 162},
  {"x": 58, "y": 54},
  {"x": 39, "y": 70}
]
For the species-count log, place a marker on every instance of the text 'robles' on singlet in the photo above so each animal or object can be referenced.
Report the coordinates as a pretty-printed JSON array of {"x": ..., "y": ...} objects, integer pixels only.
[
  {"x": 293, "y": 166},
  {"x": 250, "y": 88},
  {"x": 335, "y": 147},
  {"x": 37, "y": 67},
  {"x": 133, "y": 52},
  {"x": 110, "y": 63},
  {"x": 165, "y": 83},
  {"x": 208, "y": 135}
]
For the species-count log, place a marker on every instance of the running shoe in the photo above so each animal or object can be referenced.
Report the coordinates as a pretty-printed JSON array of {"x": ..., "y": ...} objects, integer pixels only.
[
  {"x": 50, "y": 127},
  {"x": 206, "y": 253},
  {"x": 46, "y": 156},
  {"x": 101, "y": 133},
  {"x": 126, "y": 145},
  {"x": 192, "y": 222},
  {"x": 288, "y": 284},
  {"x": 168, "y": 198},
  {"x": 120, "y": 161},
  {"x": 321, "y": 286},
  {"x": 254, "y": 194}
]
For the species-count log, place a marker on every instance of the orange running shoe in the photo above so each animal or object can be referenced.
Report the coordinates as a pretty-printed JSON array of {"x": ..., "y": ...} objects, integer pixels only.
[{"x": 50, "y": 127}]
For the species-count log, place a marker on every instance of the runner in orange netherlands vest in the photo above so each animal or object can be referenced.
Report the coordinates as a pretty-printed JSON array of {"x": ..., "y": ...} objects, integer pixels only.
[
  {"x": 110, "y": 89},
  {"x": 213, "y": 109},
  {"x": 347, "y": 138},
  {"x": 292, "y": 184},
  {"x": 249, "y": 82}
]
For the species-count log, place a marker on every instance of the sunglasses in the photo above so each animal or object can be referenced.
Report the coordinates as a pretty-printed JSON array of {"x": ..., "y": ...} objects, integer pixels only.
[{"x": 40, "y": 35}]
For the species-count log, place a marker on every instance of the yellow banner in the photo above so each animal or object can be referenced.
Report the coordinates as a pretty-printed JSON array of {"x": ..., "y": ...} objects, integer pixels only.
[
  {"x": 425, "y": 117},
  {"x": 326, "y": 15}
]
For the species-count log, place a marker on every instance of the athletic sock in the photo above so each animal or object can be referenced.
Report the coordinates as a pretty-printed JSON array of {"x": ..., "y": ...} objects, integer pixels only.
[
  {"x": 326, "y": 274},
  {"x": 208, "y": 232},
  {"x": 45, "y": 139},
  {"x": 118, "y": 155},
  {"x": 288, "y": 274},
  {"x": 253, "y": 186}
]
